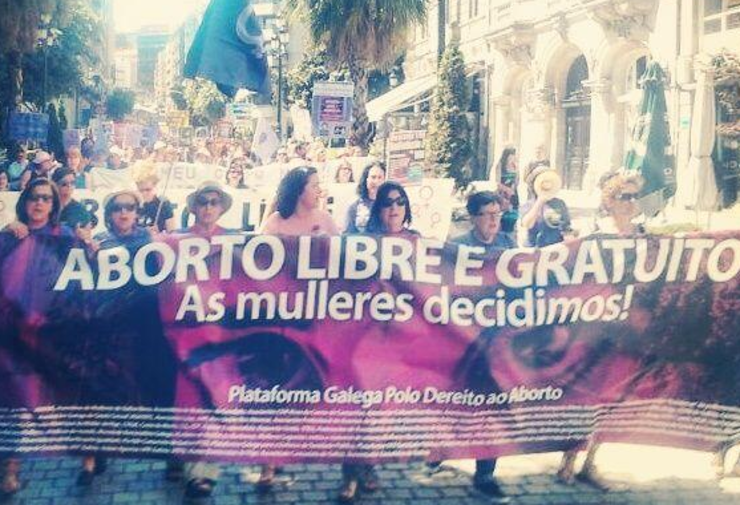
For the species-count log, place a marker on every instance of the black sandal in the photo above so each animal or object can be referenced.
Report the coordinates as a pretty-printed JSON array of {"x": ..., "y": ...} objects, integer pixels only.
[{"x": 199, "y": 488}]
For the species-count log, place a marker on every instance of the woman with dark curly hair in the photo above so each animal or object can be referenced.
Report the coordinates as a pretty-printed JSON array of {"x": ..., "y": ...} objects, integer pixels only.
[
  {"x": 390, "y": 215},
  {"x": 297, "y": 207},
  {"x": 373, "y": 175},
  {"x": 296, "y": 213}
]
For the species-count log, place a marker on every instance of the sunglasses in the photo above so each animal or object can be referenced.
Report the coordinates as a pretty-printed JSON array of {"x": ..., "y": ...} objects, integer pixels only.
[
  {"x": 41, "y": 198},
  {"x": 629, "y": 197},
  {"x": 202, "y": 201},
  {"x": 119, "y": 207},
  {"x": 388, "y": 202}
]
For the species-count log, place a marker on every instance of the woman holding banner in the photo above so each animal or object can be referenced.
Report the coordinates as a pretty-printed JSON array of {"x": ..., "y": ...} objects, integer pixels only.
[
  {"x": 127, "y": 358},
  {"x": 297, "y": 213},
  {"x": 391, "y": 211},
  {"x": 390, "y": 215},
  {"x": 619, "y": 194},
  {"x": 358, "y": 213},
  {"x": 30, "y": 254}
]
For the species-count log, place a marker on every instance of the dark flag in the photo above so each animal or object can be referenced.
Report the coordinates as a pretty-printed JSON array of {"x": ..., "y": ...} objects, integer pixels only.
[
  {"x": 650, "y": 153},
  {"x": 228, "y": 49}
]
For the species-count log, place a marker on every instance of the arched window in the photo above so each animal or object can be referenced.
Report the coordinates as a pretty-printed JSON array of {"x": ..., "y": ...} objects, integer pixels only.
[{"x": 578, "y": 73}]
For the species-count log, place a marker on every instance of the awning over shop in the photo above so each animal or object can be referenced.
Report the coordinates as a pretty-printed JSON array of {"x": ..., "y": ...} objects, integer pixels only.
[{"x": 401, "y": 97}]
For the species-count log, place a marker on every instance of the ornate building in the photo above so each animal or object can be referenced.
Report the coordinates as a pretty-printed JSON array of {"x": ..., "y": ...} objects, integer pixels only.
[{"x": 564, "y": 74}]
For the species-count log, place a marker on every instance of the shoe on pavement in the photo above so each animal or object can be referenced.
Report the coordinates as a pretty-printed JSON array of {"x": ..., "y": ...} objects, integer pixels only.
[
  {"x": 199, "y": 488},
  {"x": 489, "y": 487}
]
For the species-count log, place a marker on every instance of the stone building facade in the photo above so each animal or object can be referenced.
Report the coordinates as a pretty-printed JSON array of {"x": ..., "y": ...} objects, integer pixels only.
[{"x": 564, "y": 74}]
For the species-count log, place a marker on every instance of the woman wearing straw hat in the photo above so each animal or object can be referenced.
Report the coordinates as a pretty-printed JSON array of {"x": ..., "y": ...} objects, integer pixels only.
[{"x": 208, "y": 203}]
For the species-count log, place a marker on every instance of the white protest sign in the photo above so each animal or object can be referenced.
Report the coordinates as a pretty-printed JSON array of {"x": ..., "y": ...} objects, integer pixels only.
[
  {"x": 8, "y": 199},
  {"x": 103, "y": 179},
  {"x": 431, "y": 206}
]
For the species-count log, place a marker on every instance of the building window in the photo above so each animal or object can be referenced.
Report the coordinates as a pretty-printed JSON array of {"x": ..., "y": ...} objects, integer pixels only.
[
  {"x": 473, "y": 8},
  {"x": 721, "y": 15},
  {"x": 635, "y": 73}
]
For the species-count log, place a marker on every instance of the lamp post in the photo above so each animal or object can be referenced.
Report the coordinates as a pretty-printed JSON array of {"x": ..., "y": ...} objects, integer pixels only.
[
  {"x": 46, "y": 37},
  {"x": 279, "y": 43}
]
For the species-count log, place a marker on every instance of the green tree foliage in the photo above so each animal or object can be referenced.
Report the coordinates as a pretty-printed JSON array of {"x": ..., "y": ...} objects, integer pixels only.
[
  {"x": 69, "y": 60},
  {"x": 119, "y": 104},
  {"x": 19, "y": 24},
  {"x": 448, "y": 135},
  {"x": 363, "y": 35},
  {"x": 314, "y": 66},
  {"x": 206, "y": 103}
]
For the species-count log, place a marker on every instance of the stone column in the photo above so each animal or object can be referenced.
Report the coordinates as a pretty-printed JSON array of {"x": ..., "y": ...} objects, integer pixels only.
[
  {"x": 537, "y": 126},
  {"x": 602, "y": 142},
  {"x": 501, "y": 131}
]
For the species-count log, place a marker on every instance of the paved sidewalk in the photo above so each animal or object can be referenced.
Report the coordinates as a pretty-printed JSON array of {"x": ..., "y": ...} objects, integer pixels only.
[{"x": 645, "y": 476}]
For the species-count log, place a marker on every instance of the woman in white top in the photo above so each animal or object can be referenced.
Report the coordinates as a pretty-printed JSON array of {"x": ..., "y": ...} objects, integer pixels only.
[
  {"x": 297, "y": 213},
  {"x": 297, "y": 207}
]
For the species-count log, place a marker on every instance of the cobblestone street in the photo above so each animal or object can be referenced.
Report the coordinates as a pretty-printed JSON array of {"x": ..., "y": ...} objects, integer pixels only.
[{"x": 641, "y": 475}]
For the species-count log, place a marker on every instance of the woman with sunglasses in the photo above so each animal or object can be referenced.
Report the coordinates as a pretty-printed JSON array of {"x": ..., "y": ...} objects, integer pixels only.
[
  {"x": 391, "y": 211},
  {"x": 298, "y": 207},
  {"x": 390, "y": 215},
  {"x": 358, "y": 213},
  {"x": 235, "y": 173},
  {"x": 24, "y": 263},
  {"x": 619, "y": 194},
  {"x": 107, "y": 387},
  {"x": 73, "y": 213}
]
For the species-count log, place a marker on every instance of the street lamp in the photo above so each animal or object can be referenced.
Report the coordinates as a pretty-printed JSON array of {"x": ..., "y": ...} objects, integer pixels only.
[
  {"x": 279, "y": 43},
  {"x": 46, "y": 37}
]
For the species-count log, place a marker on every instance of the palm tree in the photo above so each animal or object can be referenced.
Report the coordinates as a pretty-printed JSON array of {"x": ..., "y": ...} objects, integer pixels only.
[
  {"x": 20, "y": 23},
  {"x": 364, "y": 35}
]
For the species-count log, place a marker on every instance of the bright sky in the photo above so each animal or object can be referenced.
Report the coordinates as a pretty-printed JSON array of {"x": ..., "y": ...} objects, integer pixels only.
[{"x": 130, "y": 15}]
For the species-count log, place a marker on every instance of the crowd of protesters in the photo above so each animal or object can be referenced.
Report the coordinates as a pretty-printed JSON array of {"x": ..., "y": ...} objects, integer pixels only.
[{"x": 499, "y": 220}]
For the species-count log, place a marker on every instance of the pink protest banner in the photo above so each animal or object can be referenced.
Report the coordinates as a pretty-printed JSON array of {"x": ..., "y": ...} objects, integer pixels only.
[{"x": 362, "y": 348}]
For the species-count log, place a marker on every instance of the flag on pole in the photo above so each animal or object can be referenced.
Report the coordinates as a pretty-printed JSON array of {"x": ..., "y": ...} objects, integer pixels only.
[
  {"x": 228, "y": 49},
  {"x": 650, "y": 153}
]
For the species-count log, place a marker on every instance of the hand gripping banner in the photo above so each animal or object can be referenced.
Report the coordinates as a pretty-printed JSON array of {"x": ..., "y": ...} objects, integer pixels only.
[{"x": 255, "y": 348}]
